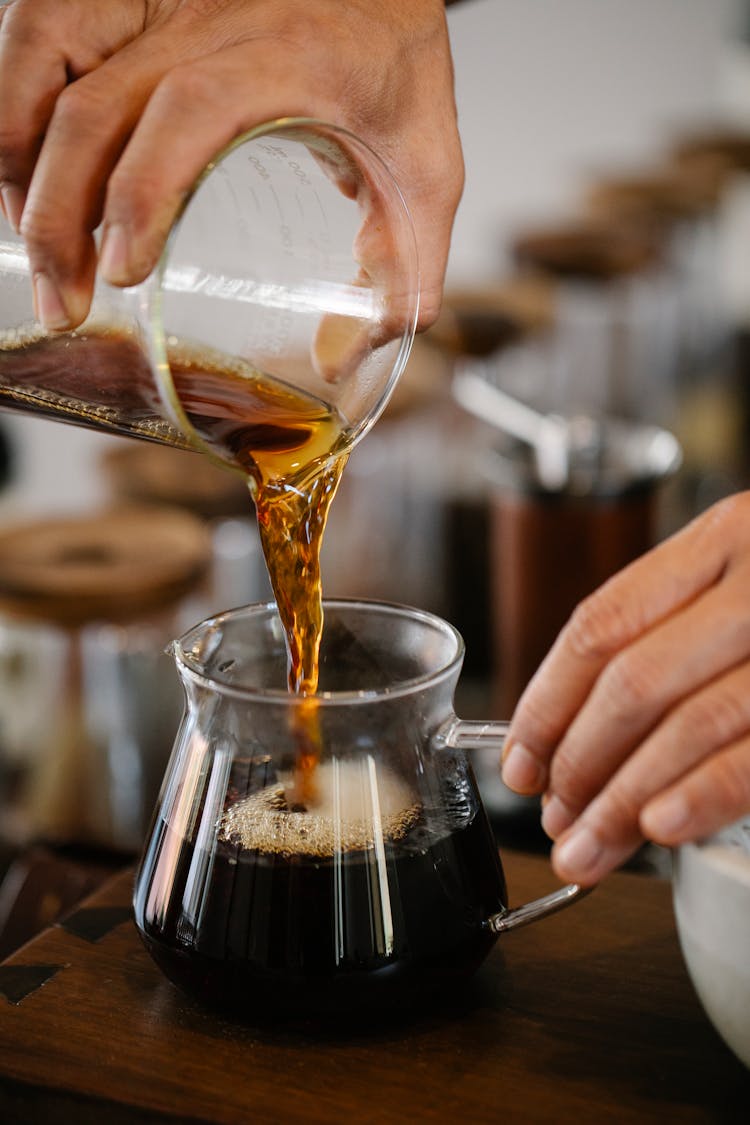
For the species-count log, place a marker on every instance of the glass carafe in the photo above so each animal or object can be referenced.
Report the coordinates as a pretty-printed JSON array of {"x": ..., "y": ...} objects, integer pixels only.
[
  {"x": 327, "y": 854},
  {"x": 275, "y": 324}
]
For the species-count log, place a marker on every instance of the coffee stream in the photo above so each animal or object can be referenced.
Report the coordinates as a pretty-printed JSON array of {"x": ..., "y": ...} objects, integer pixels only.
[{"x": 292, "y": 448}]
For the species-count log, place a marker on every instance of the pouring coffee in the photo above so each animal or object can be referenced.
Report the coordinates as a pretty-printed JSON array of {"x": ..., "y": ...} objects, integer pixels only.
[
  {"x": 380, "y": 890},
  {"x": 269, "y": 337}
]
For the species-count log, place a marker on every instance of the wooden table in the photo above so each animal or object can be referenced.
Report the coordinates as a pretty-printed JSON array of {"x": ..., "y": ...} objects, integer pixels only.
[{"x": 588, "y": 1016}]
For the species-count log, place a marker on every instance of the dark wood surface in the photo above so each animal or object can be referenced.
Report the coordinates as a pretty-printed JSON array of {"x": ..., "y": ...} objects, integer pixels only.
[{"x": 585, "y": 1016}]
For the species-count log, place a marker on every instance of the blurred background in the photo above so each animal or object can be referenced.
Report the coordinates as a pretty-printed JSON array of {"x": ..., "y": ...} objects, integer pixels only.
[{"x": 584, "y": 393}]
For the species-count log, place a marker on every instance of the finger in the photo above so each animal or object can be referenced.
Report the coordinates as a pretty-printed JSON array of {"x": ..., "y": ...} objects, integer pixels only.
[
  {"x": 695, "y": 734},
  {"x": 714, "y": 795},
  {"x": 641, "y": 596},
  {"x": 673, "y": 661},
  {"x": 433, "y": 200},
  {"x": 43, "y": 47},
  {"x": 32, "y": 74},
  {"x": 195, "y": 111},
  {"x": 403, "y": 265},
  {"x": 92, "y": 120},
  {"x": 201, "y": 109}
]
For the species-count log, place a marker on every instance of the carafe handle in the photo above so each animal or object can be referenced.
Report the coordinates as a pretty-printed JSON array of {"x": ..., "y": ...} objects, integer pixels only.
[{"x": 465, "y": 734}]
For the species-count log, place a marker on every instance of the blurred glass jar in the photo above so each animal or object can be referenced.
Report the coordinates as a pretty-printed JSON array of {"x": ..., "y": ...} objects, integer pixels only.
[
  {"x": 613, "y": 349},
  {"x": 686, "y": 199},
  {"x": 88, "y": 700},
  {"x": 509, "y": 323},
  {"x": 551, "y": 548},
  {"x": 681, "y": 201},
  {"x": 729, "y": 143}
]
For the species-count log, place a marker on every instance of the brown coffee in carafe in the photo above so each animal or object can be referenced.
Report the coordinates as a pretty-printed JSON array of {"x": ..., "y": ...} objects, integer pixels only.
[{"x": 306, "y": 913}]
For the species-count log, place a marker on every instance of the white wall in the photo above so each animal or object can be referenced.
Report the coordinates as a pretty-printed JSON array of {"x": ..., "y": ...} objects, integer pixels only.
[
  {"x": 552, "y": 91},
  {"x": 549, "y": 91}
]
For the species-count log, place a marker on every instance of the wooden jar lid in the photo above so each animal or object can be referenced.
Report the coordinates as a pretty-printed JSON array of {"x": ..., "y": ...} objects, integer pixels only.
[
  {"x": 146, "y": 473},
  {"x": 685, "y": 189},
  {"x": 114, "y": 567},
  {"x": 727, "y": 141},
  {"x": 588, "y": 249},
  {"x": 480, "y": 320}
]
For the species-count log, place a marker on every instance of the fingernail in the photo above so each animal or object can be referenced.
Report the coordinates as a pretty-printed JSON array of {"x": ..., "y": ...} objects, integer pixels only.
[
  {"x": 48, "y": 304},
  {"x": 577, "y": 853},
  {"x": 556, "y": 817},
  {"x": 114, "y": 257},
  {"x": 665, "y": 818},
  {"x": 14, "y": 201},
  {"x": 522, "y": 771}
]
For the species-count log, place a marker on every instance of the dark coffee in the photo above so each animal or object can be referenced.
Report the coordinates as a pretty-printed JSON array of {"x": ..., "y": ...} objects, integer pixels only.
[{"x": 370, "y": 926}]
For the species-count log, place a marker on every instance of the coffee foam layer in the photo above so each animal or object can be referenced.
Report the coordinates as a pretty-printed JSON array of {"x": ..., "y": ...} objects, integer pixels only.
[{"x": 355, "y": 804}]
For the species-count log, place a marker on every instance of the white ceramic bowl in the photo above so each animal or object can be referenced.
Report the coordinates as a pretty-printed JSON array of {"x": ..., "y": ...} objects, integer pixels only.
[{"x": 711, "y": 886}]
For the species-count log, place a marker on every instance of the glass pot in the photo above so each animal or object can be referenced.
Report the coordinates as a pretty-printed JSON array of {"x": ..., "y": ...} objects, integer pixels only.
[{"x": 329, "y": 853}]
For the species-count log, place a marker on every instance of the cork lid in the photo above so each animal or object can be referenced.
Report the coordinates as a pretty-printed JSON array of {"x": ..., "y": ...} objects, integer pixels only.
[
  {"x": 146, "y": 473},
  {"x": 115, "y": 567},
  {"x": 686, "y": 188},
  {"x": 727, "y": 141},
  {"x": 588, "y": 248},
  {"x": 480, "y": 320}
]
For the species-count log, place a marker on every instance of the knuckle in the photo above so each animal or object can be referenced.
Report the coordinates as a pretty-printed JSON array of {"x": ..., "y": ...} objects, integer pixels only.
[
  {"x": 11, "y": 135},
  {"x": 13, "y": 152},
  {"x": 456, "y": 184},
  {"x": 81, "y": 106},
  {"x": 619, "y": 811},
  {"x": 429, "y": 308},
  {"x": 730, "y": 777},
  {"x": 453, "y": 175},
  {"x": 23, "y": 27},
  {"x": 536, "y": 725},
  {"x": 131, "y": 192},
  {"x": 187, "y": 84},
  {"x": 41, "y": 229},
  {"x": 439, "y": 182},
  {"x": 628, "y": 684},
  {"x": 595, "y": 628},
  {"x": 566, "y": 779},
  {"x": 210, "y": 8},
  {"x": 728, "y": 517},
  {"x": 712, "y": 719}
]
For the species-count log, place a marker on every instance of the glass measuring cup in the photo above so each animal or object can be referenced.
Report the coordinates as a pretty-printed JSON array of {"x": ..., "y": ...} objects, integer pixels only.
[
  {"x": 281, "y": 312},
  {"x": 385, "y": 887}
]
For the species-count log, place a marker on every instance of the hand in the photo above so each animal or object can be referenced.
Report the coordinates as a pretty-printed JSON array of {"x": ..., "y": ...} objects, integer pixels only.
[
  {"x": 637, "y": 724},
  {"x": 108, "y": 112}
]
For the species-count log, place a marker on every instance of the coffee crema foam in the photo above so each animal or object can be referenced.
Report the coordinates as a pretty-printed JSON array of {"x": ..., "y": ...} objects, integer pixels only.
[{"x": 352, "y": 808}]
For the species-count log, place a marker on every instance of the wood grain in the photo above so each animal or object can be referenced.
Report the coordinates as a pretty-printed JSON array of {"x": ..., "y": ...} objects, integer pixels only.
[{"x": 586, "y": 1016}]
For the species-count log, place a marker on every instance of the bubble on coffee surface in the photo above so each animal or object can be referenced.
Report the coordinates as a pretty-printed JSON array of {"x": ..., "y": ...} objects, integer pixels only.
[{"x": 352, "y": 807}]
